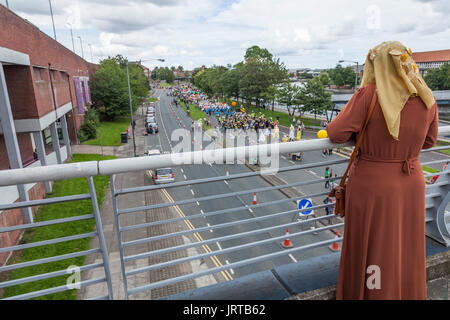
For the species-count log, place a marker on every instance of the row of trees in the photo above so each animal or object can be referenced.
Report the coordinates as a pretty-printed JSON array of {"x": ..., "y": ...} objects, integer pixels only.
[
  {"x": 439, "y": 79},
  {"x": 164, "y": 74},
  {"x": 262, "y": 80},
  {"x": 109, "y": 87}
]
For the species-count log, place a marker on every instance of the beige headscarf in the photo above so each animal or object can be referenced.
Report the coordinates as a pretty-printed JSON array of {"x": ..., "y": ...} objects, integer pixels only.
[{"x": 390, "y": 66}]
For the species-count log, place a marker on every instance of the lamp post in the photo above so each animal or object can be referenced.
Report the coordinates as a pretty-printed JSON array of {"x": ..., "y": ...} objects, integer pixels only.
[
  {"x": 81, "y": 42},
  {"x": 71, "y": 34},
  {"x": 53, "y": 21},
  {"x": 131, "y": 101},
  {"x": 7, "y": 4},
  {"x": 357, "y": 70}
]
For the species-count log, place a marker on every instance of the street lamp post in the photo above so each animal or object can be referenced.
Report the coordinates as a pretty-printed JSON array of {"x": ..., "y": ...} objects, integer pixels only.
[
  {"x": 357, "y": 71},
  {"x": 53, "y": 21},
  {"x": 131, "y": 101},
  {"x": 71, "y": 34},
  {"x": 82, "y": 52}
]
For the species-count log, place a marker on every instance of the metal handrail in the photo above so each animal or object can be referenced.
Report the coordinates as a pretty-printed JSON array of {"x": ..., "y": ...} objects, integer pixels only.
[{"x": 108, "y": 167}]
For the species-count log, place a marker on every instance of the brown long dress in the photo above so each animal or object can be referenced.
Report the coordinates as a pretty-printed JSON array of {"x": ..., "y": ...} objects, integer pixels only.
[{"x": 385, "y": 201}]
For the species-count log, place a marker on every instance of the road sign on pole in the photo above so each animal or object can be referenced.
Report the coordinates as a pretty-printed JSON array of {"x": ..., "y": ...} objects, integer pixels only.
[{"x": 303, "y": 204}]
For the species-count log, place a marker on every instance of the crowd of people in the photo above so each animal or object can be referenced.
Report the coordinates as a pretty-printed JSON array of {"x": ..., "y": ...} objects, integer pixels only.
[{"x": 228, "y": 118}]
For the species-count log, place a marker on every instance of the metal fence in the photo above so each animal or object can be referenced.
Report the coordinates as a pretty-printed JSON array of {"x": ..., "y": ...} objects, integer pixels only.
[
  {"x": 437, "y": 218},
  {"x": 97, "y": 233}
]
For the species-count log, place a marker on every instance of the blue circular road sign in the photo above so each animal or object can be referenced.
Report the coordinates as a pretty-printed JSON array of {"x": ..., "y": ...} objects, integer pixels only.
[{"x": 303, "y": 204}]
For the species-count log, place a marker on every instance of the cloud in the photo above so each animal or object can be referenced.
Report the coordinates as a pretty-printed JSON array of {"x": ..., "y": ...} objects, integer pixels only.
[{"x": 203, "y": 32}]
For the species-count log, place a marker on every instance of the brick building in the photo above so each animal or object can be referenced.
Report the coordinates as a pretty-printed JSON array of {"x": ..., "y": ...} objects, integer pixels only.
[{"x": 44, "y": 91}]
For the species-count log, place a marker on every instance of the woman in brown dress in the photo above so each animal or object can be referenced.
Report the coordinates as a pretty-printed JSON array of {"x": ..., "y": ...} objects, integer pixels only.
[{"x": 383, "y": 251}]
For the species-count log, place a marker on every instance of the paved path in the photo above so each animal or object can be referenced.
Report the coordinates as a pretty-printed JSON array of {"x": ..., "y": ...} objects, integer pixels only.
[{"x": 84, "y": 148}]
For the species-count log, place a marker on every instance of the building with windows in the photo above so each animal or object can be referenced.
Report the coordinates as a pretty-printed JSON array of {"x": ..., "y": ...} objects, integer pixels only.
[
  {"x": 44, "y": 93},
  {"x": 431, "y": 59}
]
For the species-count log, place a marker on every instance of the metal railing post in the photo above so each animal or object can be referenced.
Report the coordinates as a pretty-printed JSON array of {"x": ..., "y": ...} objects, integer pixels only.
[
  {"x": 119, "y": 234},
  {"x": 101, "y": 237}
]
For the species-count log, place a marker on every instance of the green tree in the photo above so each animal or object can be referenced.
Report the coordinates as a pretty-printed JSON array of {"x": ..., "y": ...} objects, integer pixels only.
[
  {"x": 260, "y": 71},
  {"x": 340, "y": 76},
  {"x": 163, "y": 74},
  {"x": 109, "y": 87},
  {"x": 324, "y": 77},
  {"x": 230, "y": 81},
  {"x": 313, "y": 97},
  {"x": 287, "y": 96},
  {"x": 439, "y": 79}
]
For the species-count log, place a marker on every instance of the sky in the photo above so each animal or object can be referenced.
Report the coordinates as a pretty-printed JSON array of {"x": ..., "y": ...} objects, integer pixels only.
[{"x": 192, "y": 33}]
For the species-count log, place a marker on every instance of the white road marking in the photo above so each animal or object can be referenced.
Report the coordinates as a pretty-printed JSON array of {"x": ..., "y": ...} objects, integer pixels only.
[
  {"x": 182, "y": 170},
  {"x": 292, "y": 257},
  {"x": 185, "y": 178},
  {"x": 292, "y": 162},
  {"x": 250, "y": 209},
  {"x": 192, "y": 191},
  {"x": 198, "y": 203},
  {"x": 202, "y": 211},
  {"x": 226, "y": 182},
  {"x": 313, "y": 173},
  {"x": 218, "y": 244},
  {"x": 209, "y": 226},
  {"x": 231, "y": 270},
  {"x": 284, "y": 157}
]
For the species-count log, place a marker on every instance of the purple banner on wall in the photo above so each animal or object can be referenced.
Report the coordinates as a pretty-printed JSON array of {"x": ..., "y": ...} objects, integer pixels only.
[{"x": 79, "y": 94}]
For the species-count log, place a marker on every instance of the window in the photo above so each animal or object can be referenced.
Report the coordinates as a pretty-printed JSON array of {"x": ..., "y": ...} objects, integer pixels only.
[
  {"x": 55, "y": 75},
  {"x": 37, "y": 74}
]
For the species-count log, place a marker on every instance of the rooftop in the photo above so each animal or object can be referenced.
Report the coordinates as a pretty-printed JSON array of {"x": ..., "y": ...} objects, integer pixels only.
[{"x": 432, "y": 56}]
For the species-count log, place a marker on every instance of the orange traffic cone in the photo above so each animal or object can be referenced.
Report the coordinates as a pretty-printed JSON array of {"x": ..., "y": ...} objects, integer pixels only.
[
  {"x": 287, "y": 243},
  {"x": 228, "y": 172},
  {"x": 254, "y": 198},
  {"x": 335, "y": 245}
]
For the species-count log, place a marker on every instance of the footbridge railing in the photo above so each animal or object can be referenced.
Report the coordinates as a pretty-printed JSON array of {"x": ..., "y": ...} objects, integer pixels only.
[{"x": 253, "y": 231}]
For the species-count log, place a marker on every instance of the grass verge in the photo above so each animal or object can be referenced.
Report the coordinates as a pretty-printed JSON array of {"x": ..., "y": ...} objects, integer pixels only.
[
  {"x": 165, "y": 85},
  {"x": 108, "y": 132},
  {"x": 441, "y": 143},
  {"x": 429, "y": 169},
  {"x": 195, "y": 113},
  {"x": 58, "y": 211}
]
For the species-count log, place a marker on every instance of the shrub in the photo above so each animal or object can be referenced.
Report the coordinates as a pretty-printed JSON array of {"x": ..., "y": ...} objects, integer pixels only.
[{"x": 88, "y": 129}]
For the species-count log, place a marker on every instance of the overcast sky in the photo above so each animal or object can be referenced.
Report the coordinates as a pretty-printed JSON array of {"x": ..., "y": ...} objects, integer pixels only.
[{"x": 191, "y": 33}]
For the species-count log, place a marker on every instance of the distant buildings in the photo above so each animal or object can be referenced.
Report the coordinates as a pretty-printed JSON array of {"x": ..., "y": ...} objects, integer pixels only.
[
  {"x": 431, "y": 59},
  {"x": 303, "y": 73}
]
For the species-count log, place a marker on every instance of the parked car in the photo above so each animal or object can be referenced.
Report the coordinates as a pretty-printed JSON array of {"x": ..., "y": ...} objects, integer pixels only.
[
  {"x": 150, "y": 119},
  {"x": 163, "y": 175},
  {"x": 153, "y": 152},
  {"x": 152, "y": 127}
]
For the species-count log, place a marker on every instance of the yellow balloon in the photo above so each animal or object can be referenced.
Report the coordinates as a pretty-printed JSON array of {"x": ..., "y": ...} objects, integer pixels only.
[{"x": 322, "y": 134}]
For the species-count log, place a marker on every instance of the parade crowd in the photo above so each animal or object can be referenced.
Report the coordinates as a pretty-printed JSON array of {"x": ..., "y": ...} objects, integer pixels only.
[{"x": 241, "y": 120}]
